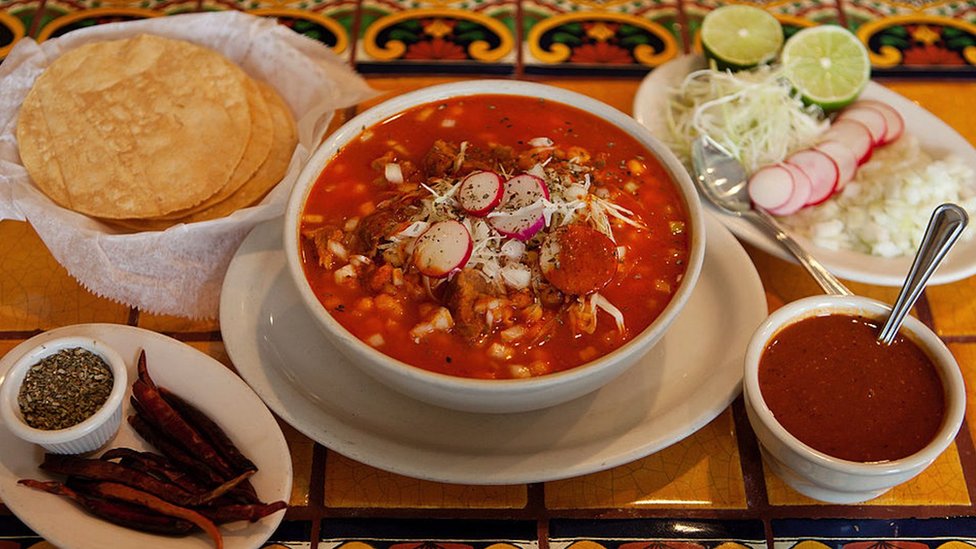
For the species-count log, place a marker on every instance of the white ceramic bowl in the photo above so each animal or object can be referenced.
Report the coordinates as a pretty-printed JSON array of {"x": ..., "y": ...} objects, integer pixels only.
[
  {"x": 819, "y": 475},
  {"x": 86, "y": 436},
  {"x": 494, "y": 396}
]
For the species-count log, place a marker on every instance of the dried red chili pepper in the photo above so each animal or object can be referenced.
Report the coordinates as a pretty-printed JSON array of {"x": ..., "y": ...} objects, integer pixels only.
[
  {"x": 210, "y": 431},
  {"x": 121, "y": 492},
  {"x": 129, "y": 516},
  {"x": 223, "y": 514}
]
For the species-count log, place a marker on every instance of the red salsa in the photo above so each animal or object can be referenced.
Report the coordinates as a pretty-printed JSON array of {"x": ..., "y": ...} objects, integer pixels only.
[
  {"x": 832, "y": 385},
  {"x": 495, "y": 237}
]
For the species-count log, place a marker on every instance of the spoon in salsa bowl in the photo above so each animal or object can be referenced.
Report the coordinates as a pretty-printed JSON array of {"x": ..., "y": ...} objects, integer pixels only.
[
  {"x": 944, "y": 228},
  {"x": 722, "y": 180}
]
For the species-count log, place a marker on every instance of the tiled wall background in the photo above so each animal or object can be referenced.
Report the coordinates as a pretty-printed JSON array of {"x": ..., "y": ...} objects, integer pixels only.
[{"x": 541, "y": 37}]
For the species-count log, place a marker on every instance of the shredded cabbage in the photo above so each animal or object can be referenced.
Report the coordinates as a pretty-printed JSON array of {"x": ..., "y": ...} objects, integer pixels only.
[{"x": 754, "y": 114}]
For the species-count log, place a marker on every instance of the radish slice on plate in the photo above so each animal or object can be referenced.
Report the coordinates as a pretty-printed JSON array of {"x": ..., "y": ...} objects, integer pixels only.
[
  {"x": 519, "y": 215},
  {"x": 843, "y": 157},
  {"x": 443, "y": 248},
  {"x": 480, "y": 192},
  {"x": 771, "y": 186},
  {"x": 872, "y": 119},
  {"x": 801, "y": 192},
  {"x": 896, "y": 124},
  {"x": 820, "y": 169},
  {"x": 853, "y": 135}
]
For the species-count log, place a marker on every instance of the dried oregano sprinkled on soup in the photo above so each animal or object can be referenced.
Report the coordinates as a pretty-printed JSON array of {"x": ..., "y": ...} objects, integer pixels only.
[{"x": 64, "y": 389}]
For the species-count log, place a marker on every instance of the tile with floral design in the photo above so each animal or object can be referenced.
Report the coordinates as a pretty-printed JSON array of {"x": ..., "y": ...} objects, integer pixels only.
[
  {"x": 427, "y": 534},
  {"x": 665, "y": 533},
  {"x": 437, "y": 36},
  {"x": 17, "y": 17},
  {"x": 943, "y": 533},
  {"x": 63, "y": 16},
  {"x": 331, "y": 22},
  {"x": 599, "y": 37},
  {"x": 916, "y": 37}
]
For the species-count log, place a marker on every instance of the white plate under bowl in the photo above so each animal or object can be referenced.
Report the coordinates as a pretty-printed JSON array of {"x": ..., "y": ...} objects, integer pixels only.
[
  {"x": 679, "y": 386},
  {"x": 935, "y": 137},
  {"x": 203, "y": 382}
]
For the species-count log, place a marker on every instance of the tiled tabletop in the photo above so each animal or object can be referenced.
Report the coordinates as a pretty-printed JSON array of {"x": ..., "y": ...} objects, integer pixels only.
[{"x": 706, "y": 491}]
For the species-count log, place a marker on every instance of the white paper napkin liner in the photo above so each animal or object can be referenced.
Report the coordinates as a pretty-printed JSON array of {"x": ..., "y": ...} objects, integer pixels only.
[{"x": 178, "y": 271}]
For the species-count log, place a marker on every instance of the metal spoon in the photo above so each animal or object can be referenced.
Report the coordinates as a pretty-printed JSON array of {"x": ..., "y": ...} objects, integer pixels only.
[
  {"x": 945, "y": 226},
  {"x": 722, "y": 180}
]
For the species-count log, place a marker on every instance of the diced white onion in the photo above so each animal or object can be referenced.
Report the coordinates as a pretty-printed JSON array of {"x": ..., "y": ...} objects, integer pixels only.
[
  {"x": 513, "y": 249},
  {"x": 338, "y": 250},
  {"x": 393, "y": 173},
  {"x": 540, "y": 142},
  {"x": 345, "y": 273},
  {"x": 517, "y": 276}
]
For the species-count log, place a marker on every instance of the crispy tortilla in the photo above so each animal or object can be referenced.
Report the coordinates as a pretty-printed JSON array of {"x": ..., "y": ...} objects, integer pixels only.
[
  {"x": 135, "y": 128},
  {"x": 284, "y": 139}
]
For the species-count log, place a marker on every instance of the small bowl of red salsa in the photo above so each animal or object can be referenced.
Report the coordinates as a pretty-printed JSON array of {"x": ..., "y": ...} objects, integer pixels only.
[
  {"x": 493, "y": 246},
  {"x": 839, "y": 416}
]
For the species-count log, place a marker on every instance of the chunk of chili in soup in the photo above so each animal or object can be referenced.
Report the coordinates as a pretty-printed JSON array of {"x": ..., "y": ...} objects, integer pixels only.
[{"x": 495, "y": 237}]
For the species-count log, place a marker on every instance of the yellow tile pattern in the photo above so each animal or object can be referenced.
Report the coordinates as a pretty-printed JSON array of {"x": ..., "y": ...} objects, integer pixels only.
[
  {"x": 954, "y": 306},
  {"x": 352, "y": 484},
  {"x": 965, "y": 354},
  {"x": 702, "y": 470},
  {"x": 943, "y": 483},
  {"x": 37, "y": 293}
]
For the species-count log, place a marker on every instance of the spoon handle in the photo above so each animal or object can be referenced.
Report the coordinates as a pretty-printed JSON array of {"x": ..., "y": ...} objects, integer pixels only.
[
  {"x": 945, "y": 226},
  {"x": 824, "y": 278}
]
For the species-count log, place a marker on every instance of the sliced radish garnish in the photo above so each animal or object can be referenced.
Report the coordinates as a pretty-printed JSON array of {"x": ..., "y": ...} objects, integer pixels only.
[
  {"x": 771, "y": 186},
  {"x": 480, "y": 192},
  {"x": 843, "y": 157},
  {"x": 894, "y": 120},
  {"x": 872, "y": 119},
  {"x": 820, "y": 169},
  {"x": 519, "y": 215},
  {"x": 802, "y": 189},
  {"x": 442, "y": 249},
  {"x": 853, "y": 135}
]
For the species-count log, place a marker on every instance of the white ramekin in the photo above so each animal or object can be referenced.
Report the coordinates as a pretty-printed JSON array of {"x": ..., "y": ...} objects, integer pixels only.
[{"x": 86, "y": 436}]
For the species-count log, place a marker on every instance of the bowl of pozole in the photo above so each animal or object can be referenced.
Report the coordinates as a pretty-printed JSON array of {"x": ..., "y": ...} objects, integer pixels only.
[{"x": 494, "y": 246}]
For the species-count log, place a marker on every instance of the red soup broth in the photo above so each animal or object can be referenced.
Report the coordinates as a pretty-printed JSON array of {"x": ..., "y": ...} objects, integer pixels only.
[
  {"x": 534, "y": 331},
  {"x": 833, "y": 386}
]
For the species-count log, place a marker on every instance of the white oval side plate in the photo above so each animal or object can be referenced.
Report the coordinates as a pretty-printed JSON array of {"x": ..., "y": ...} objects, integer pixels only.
[
  {"x": 934, "y": 135},
  {"x": 191, "y": 374}
]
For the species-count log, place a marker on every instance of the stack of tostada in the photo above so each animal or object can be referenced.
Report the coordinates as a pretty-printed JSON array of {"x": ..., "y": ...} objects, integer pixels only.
[{"x": 147, "y": 132}]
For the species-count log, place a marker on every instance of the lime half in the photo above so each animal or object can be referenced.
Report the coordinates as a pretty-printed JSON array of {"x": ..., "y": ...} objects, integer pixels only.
[
  {"x": 740, "y": 37},
  {"x": 828, "y": 65}
]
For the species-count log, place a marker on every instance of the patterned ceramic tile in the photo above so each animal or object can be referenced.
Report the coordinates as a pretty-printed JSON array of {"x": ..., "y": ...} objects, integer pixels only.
[
  {"x": 656, "y": 534},
  {"x": 792, "y": 14},
  {"x": 328, "y": 21},
  {"x": 301, "y": 449},
  {"x": 965, "y": 354},
  {"x": 944, "y": 300},
  {"x": 590, "y": 37},
  {"x": 62, "y": 16},
  {"x": 352, "y": 484},
  {"x": 786, "y": 281},
  {"x": 943, "y": 483},
  {"x": 170, "y": 324},
  {"x": 906, "y": 36},
  {"x": 437, "y": 36},
  {"x": 945, "y": 533},
  {"x": 36, "y": 293},
  {"x": 702, "y": 470},
  {"x": 16, "y": 19},
  {"x": 427, "y": 534}
]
